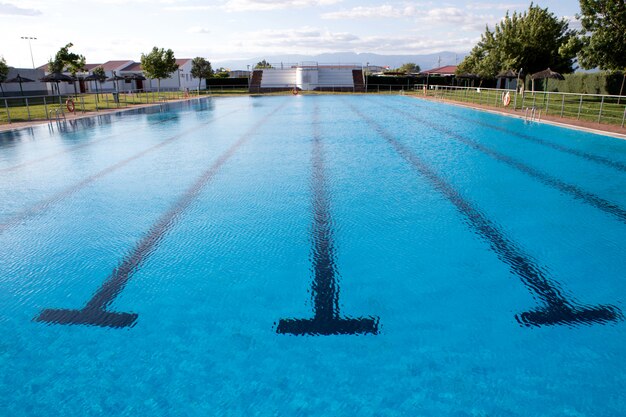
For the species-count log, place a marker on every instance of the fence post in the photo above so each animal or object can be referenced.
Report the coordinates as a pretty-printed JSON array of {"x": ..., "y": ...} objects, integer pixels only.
[
  {"x": 624, "y": 117},
  {"x": 45, "y": 107},
  {"x": 547, "y": 101},
  {"x": 580, "y": 106},
  {"x": 27, "y": 108},
  {"x": 6, "y": 106},
  {"x": 601, "y": 105},
  {"x": 562, "y": 105},
  {"x": 82, "y": 103}
]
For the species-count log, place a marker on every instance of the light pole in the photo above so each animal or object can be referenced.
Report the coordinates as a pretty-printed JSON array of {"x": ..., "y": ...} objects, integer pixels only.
[{"x": 30, "y": 47}]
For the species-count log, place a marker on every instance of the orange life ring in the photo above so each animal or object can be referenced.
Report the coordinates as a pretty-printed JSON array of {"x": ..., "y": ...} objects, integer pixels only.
[
  {"x": 506, "y": 99},
  {"x": 69, "y": 103},
  {"x": 294, "y": 91}
]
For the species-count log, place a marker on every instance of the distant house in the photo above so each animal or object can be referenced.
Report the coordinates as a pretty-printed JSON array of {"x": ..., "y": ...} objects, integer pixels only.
[
  {"x": 35, "y": 88},
  {"x": 239, "y": 74},
  {"x": 179, "y": 80},
  {"x": 445, "y": 71}
]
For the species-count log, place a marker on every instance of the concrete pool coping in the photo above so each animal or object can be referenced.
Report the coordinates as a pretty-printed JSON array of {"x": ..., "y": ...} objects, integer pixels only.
[
  {"x": 585, "y": 126},
  {"x": 581, "y": 125},
  {"x": 25, "y": 125}
]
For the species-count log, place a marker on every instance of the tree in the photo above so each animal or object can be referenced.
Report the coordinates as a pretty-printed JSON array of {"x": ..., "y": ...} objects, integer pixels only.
[
  {"x": 262, "y": 65},
  {"x": 409, "y": 68},
  {"x": 159, "y": 64},
  {"x": 201, "y": 69},
  {"x": 532, "y": 40},
  {"x": 222, "y": 73},
  {"x": 4, "y": 72},
  {"x": 603, "y": 35},
  {"x": 99, "y": 71},
  {"x": 64, "y": 59}
]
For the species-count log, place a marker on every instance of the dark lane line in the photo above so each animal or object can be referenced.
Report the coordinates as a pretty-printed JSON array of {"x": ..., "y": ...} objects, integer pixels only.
[
  {"x": 45, "y": 204},
  {"x": 569, "y": 189},
  {"x": 585, "y": 155},
  {"x": 73, "y": 148},
  {"x": 327, "y": 318},
  {"x": 95, "y": 310},
  {"x": 557, "y": 309}
]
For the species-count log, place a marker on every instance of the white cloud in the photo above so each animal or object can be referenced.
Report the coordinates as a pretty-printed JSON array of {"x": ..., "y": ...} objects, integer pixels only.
[
  {"x": 453, "y": 16},
  {"x": 198, "y": 29},
  {"x": 497, "y": 6},
  {"x": 12, "y": 10},
  {"x": 250, "y": 5},
  {"x": 361, "y": 12},
  {"x": 313, "y": 41}
]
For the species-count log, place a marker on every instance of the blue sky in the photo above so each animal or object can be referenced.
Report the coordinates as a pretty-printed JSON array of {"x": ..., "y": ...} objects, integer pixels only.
[{"x": 232, "y": 29}]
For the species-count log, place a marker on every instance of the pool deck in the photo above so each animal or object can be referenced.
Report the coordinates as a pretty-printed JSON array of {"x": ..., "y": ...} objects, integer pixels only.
[
  {"x": 597, "y": 128},
  {"x": 78, "y": 116},
  {"x": 584, "y": 125}
]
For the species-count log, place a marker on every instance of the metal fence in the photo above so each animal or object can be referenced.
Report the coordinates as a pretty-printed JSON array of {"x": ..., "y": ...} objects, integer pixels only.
[
  {"x": 597, "y": 108},
  {"x": 19, "y": 109},
  {"x": 607, "y": 109}
]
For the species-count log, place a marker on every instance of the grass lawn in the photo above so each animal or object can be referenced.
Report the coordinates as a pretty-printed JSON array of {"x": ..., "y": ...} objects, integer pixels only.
[{"x": 554, "y": 104}]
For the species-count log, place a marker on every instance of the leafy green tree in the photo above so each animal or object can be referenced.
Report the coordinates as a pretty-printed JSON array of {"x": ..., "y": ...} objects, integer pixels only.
[
  {"x": 159, "y": 64},
  {"x": 99, "y": 71},
  {"x": 409, "y": 68},
  {"x": 4, "y": 73},
  {"x": 222, "y": 73},
  {"x": 532, "y": 40},
  {"x": 201, "y": 69},
  {"x": 603, "y": 35},
  {"x": 64, "y": 59},
  {"x": 262, "y": 65}
]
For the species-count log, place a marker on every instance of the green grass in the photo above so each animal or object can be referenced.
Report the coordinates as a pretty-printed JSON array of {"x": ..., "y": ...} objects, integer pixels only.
[
  {"x": 554, "y": 104},
  {"x": 560, "y": 105},
  {"x": 40, "y": 107}
]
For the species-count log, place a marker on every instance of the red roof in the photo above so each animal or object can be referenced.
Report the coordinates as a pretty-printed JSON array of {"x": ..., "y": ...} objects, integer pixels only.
[
  {"x": 135, "y": 66},
  {"x": 89, "y": 67},
  {"x": 445, "y": 70},
  {"x": 182, "y": 61},
  {"x": 113, "y": 65}
]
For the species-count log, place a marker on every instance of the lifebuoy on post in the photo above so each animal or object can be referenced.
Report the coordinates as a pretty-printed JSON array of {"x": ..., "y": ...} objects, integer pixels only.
[
  {"x": 506, "y": 99},
  {"x": 69, "y": 103},
  {"x": 294, "y": 91}
]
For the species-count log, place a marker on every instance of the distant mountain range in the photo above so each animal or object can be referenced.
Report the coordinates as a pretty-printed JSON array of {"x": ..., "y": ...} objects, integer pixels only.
[{"x": 425, "y": 62}]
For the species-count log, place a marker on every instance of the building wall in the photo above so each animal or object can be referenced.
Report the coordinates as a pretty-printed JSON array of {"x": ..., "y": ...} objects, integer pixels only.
[
  {"x": 30, "y": 89},
  {"x": 278, "y": 78},
  {"x": 335, "y": 77}
]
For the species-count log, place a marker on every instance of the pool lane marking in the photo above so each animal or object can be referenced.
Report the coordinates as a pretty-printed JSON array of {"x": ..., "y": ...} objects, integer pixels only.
[
  {"x": 546, "y": 179},
  {"x": 557, "y": 309},
  {"x": 327, "y": 318},
  {"x": 45, "y": 204},
  {"x": 71, "y": 149},
  {"x": 585, "y": 155},
  {"x": 95, "y": 311}
]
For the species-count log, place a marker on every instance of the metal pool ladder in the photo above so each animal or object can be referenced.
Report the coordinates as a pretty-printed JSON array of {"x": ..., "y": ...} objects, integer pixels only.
[{"x": 532, "y": 114}]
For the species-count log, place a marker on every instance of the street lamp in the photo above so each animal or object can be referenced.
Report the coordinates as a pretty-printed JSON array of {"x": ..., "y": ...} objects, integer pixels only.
[{"x": 30, "y": 47}]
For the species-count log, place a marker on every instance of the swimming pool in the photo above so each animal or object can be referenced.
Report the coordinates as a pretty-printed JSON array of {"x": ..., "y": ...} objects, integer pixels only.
[{"x": 317, "y": 255}]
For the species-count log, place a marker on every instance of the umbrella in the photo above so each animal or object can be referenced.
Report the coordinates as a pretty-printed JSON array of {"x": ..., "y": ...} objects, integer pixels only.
[
  {"x": 115, "y": 78},
  {"x": 469, "y": 77},
  {"x": 20, "y": 79},
  {"x": 57, "y": 77},
  {"x": 547, "y": 73},
  {"x": 96, "y": 77},
  {"x": 135, "y": 77}
]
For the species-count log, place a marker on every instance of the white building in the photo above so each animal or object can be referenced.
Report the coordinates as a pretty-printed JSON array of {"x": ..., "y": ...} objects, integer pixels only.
[
  {"x": 35, "y": 88},
  {"x": 179, "y": 80},
  {"x": 308, "y": 76}
]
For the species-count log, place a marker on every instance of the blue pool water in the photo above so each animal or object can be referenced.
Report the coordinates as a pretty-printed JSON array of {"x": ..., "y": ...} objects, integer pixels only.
[{"x": 311, "y": 256}]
